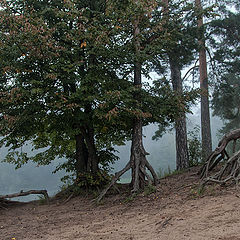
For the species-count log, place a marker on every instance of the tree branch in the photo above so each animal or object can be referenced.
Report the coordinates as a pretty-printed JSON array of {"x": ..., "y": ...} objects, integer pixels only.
[{"x": 20, "y": 194}]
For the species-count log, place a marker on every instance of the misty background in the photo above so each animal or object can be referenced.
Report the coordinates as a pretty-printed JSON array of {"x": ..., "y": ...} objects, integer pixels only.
[{"x": 162, "y": 158}]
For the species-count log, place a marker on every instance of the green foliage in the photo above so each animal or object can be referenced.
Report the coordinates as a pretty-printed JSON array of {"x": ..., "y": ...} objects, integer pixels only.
[
  {"x": 149, "y": 189},
  {"x": 66, "y": 70},
  {"x": 130, "y": 198},
  {"x": 226, "y": 94},
  {"x": 84, "y": 181},
  {"x": 89, "y": 181},
  {"x": 226, "y": 45},
  {"x": 54, "y": 82},
  {"x": 197, "y": 191},
  {"x": 194, "y": 147}
]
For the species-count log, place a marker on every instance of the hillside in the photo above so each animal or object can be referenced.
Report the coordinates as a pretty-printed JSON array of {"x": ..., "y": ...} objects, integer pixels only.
[{"x": 175, "y": 211}]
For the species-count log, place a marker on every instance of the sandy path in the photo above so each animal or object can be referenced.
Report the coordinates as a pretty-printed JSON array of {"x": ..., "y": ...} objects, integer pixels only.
[{"x": 158, "y": 216}]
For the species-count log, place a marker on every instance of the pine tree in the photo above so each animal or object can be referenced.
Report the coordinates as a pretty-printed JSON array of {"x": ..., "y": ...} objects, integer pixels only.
[
  {"x": 226, "y": 44},
  {"x": 205, "y": 113}
]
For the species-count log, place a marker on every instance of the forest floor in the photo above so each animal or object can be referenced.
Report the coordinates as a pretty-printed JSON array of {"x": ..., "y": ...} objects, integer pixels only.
[{"x": 176, "y": 211}]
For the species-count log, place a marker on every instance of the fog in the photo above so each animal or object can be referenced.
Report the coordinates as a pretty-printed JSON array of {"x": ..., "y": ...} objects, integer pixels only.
[{"x": 162, "y": 157}]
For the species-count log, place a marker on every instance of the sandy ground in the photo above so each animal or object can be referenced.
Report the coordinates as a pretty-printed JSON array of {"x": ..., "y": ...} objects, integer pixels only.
[{"x": 174, "y": 211}]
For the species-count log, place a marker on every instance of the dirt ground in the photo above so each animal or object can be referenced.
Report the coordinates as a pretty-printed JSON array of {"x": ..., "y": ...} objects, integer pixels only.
[{"x": 176, "y": 211}]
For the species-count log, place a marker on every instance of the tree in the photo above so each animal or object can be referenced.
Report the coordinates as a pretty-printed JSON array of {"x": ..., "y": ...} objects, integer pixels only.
[
  {"x": 145, "y": 43},
  {"x": 55, "y": 86},
  {"x": 226, "y": 95},
  {"x": 174, "y": 55},
  {"x": 177, "y": 21},
  {"x": 226, "y": 43},
  {"x": 67, "y": 88},
  {"x": 225, "y": 47},
  {"x": 205, "y": 114}
]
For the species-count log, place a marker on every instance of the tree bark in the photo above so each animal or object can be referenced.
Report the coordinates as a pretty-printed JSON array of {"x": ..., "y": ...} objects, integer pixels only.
[
  {"x": 81, "y": 155},
  {"x": 93, "y": 161},
  {"x": 182, "y": 157},
  {"x": 205, "y": 114},
  {"x": 138, "y": 162},
  {"x": 137, "y": 149},
  {"x": 138, "y": 157},
  {"x": 88, "y": 133},
  {"x": 138, "y": 154}
]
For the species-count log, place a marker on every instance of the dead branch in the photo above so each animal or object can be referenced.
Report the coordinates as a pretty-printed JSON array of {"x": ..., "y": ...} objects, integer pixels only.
[{"x": 20, "y": 194}]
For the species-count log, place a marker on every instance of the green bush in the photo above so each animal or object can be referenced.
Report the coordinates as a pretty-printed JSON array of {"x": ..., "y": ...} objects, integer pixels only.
[
  {"x": 149, "y": 190},
  {"x": 194, "y": 147}
]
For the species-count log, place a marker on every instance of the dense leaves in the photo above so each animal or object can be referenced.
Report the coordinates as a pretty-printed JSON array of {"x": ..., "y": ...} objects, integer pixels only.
[
  {"x": 66, "y": 81},
  {"x": 226, "y": 44}
]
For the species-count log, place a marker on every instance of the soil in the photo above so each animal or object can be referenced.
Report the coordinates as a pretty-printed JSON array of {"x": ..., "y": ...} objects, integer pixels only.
[{"x": 177, "y": 210}]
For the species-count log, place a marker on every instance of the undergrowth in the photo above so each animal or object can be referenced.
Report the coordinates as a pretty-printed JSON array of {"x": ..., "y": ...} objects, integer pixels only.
[{"x": 169, "y": 172}]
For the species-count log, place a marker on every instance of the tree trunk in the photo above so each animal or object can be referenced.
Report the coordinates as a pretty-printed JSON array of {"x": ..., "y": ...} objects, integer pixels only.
[
  {"x": 138, "y": 162},
  {"x": 182, "y": 158},
  {"x": 138, "y": 154},
  {"x": 205, "y": 115},
  {"x": 88, "y": 134},
  {"x": 81, "y": 155},
  {"x": 92, "y": 152},
  {"x": 137, "y": 149}
]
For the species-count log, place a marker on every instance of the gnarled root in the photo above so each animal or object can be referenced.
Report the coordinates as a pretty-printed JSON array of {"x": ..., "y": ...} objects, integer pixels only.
[{"x": 230, "y": 170}]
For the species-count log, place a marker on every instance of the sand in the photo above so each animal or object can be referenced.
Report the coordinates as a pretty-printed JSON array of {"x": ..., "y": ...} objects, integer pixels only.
[{"x": 176, "y": 211}]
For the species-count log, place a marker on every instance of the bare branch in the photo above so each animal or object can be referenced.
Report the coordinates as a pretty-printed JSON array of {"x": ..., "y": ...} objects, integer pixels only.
[{"x": 20, "y": 194}]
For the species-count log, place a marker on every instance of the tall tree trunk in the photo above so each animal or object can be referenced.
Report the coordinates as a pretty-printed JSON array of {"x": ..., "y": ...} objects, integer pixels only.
[
  {"x": 205, "y": 115},
  {"x": 138, "y": 159},
  {"x": 182, "y": 158},
  {"x": 92, "y": 151},
  {"x": 137, "y": 149},
  {"x": 138, "y": 162}
]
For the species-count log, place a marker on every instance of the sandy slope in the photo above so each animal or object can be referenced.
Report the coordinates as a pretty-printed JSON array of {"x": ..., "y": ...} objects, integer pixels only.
[{"x": 174, "y": 212}]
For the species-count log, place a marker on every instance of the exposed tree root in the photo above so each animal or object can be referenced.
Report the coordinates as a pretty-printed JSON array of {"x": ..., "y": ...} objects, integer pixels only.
[
  {"x": 68, "y": 198},
  {"x": 3, "y": 204},
  {"x": 230, "y": 170},
  {"x": 114, "y": 180},
  {"x": 138, "y": 162},
  {"x": 139, "y": 165}
]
